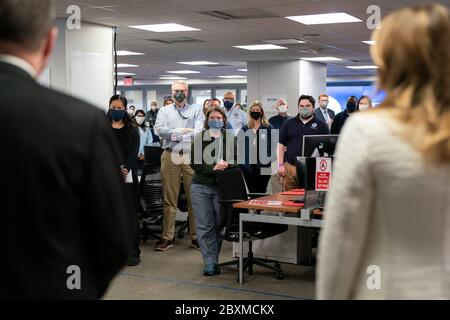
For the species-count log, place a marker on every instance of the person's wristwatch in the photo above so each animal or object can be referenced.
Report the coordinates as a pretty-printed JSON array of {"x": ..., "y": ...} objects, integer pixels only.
[{"x": 280, "y": 165}]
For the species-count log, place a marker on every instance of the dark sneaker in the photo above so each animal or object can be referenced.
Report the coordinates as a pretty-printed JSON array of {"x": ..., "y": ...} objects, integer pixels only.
[
  {"x": 163, "y": 245},
  {"x": 134, "y": 261},
  {"x": 211, "y": 270},
  {"x": 195, "y": 245}
]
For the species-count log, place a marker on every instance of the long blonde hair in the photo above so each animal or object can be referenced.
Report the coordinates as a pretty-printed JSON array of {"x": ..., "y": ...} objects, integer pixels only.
[
  {"x": 251, "y": 122},
  {"x": 412, "y": 52}
]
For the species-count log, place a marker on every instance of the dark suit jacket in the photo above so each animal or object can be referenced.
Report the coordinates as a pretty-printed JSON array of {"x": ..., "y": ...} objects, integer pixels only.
[
  {"x": 63, "y": 201},
  {"x": 339, "y": 122},
  {"x": 319, "y": 114}
]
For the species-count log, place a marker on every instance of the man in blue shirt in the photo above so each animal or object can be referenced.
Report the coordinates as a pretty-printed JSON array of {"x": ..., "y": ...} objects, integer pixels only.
[
  {"x": 176, "y": 125},
  {"x": 291, "y": 140}
]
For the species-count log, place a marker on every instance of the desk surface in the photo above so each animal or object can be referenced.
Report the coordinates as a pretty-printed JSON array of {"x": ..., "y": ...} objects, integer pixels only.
[{"x": 274, "y": 197}]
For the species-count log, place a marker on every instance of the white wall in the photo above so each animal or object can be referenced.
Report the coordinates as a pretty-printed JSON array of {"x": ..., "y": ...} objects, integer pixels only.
[{"x": 82, "y": 63}]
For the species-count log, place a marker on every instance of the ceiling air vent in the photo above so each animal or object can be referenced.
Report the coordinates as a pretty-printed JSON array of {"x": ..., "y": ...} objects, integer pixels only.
[
  {"x": 182, "y": 40},
  {"x": 251, "y": 13}
]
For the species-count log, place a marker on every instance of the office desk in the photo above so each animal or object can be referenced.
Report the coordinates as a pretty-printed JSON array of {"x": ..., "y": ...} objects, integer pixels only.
[{"x": 289, "y": 215}]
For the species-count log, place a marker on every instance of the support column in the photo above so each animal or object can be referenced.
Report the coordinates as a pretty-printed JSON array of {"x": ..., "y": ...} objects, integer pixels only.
[
  {"x": 82, "y": 63},
  {"x": 268, "y": 80}
]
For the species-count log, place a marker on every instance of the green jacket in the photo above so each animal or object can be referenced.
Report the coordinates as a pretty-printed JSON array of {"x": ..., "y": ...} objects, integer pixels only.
[{"x": 205, "y": 155}]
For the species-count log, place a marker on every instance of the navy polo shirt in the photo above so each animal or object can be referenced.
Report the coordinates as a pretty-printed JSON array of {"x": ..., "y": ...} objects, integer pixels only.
[{"x": 292, "y": 132}]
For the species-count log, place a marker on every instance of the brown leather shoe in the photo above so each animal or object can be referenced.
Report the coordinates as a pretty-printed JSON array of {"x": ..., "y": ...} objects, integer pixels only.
[{"x": 163, "y": 245}]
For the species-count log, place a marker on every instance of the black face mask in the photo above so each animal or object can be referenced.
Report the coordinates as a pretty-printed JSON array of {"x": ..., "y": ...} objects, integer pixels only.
[
  {"x": 255, "y": 115},
  {"x": 180, "y": 96},
  {"x": 351, "y": 107}
]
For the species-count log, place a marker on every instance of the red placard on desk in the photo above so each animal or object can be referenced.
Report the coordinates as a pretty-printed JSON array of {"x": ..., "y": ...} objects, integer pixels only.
[
  {"x": 294, "y": 204},
  {"x": 294, "y": 192}
]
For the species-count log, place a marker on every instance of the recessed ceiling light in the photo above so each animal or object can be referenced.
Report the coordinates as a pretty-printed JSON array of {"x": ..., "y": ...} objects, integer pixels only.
[
  {"x": 372, "y": 43},
  {"x": 199, "y": 63},
  {"x": 125, "y": 65},
  {"x": 126, "y": 74},
  {"x": 183, "y": 72},
  {"x": 129, "y": 53},
  {"x": 164, "y": 27},
  {"x": 326, "y": 18},
  {"x": 285, "y": 41},
  {"x": 172, "y": 78},
  {"x": 242, "y": 70},
  {"x": 261, "y": 47},
  {"x": 322, "y": 59},
  {"x": 362, "y": 67},
  {"x": 232, "y": 77}
]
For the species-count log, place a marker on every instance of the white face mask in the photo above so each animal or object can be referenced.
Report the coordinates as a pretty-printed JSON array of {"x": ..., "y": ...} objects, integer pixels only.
[
  {"x": 140, "y": 120},
  {"x": 283, "y": 108},
  {"x": 363, "y": 107}
]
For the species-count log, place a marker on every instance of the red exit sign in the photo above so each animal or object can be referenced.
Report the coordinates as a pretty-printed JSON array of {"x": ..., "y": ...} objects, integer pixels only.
[{"x": 128, "y": 81}]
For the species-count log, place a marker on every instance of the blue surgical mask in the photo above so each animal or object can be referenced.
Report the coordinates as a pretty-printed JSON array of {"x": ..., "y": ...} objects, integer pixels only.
[
  {"x": 305, "y": 113},
  {"x": 228, "y": 104},
  {"x": 116, "y": 115},
  {"x": 215, "y": 124},
  {"x": 351, "y": 107}
]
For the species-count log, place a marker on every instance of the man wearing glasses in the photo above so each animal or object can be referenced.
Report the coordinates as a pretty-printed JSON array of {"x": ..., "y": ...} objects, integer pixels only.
[{"x": 176, "y": 125}]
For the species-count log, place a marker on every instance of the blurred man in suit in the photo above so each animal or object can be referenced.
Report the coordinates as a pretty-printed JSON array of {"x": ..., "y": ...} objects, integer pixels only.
[
  {"x": 65, "y": 229},
  {"x": 323, "y": 113}
]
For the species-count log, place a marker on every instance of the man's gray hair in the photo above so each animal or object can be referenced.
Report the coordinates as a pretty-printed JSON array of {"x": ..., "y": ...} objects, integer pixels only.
[
  {"x": 182, "y": 83},
  {"x": 25, "y": 22}
]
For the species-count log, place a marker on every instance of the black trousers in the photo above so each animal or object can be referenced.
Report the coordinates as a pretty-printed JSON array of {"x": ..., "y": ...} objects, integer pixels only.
[
  {"x": 256, "y": 182},
  {"x": 132, "y": 192}
]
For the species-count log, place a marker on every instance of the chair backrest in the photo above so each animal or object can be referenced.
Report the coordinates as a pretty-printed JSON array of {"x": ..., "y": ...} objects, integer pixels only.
[
  {"x": 151, "y": 190},
  {"x": 231, "y": 185},
  {"x": 153, "y": 155}
]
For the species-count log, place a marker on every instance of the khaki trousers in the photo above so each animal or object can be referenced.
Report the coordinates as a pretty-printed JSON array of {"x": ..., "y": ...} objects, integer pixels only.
[
  {"x": 290, "y": 180},
  {"x": 173, "y": 167}
]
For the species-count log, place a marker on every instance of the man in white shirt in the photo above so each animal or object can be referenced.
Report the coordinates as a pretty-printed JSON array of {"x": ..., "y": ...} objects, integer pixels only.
[
  {"x": 235, "y": 116},
  {"x": 176, "y": 125},
  {"x": 323, "y": 113}
]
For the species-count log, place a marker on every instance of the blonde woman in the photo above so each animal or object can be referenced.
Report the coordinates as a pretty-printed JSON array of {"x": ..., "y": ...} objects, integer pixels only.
[
  {"x": 257, "y": 149},
  {"x": 387, "y": 220}
]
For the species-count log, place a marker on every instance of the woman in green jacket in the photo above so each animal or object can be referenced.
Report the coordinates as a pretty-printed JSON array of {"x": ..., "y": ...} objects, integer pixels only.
[{"x": 213, "y": 150}]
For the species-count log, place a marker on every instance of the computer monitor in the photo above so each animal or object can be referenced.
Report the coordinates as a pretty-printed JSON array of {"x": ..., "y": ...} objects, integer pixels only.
[{"x": 319, "y": 145}]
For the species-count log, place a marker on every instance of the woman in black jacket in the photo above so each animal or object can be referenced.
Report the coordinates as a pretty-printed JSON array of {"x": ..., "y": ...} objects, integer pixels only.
[
  {"x": 128, "y": 140},
  {"x": 257, "y": 149}
]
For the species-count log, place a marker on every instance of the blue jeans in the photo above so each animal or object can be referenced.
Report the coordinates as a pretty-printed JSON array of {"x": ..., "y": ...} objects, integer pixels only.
[{"x": 205, "y": 203}]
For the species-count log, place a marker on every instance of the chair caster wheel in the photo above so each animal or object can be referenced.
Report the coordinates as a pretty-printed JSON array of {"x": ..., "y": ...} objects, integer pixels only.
[{"x": 280, "y": 276}]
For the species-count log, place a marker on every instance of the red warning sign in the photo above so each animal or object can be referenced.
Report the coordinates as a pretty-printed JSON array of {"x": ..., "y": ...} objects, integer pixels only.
[{"x": 323, "y": 174}]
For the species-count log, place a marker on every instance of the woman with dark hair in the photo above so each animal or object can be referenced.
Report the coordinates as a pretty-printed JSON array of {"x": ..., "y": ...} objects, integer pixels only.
[
  {"x": 204, "y": 192},
  {"x": 127, "y": 137},
  {"x": 146, "y": 137}
]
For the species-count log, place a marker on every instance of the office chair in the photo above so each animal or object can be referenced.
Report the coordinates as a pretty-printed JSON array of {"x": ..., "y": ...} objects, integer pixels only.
[
  {"x": 232, "y": 189},
  {"x": 150, "y": 193},
  {"x": 151, "y": 197}
]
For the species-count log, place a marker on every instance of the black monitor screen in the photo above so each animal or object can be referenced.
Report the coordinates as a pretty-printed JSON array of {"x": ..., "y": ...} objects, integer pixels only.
[{"x": 319, "y": 146}]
